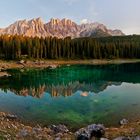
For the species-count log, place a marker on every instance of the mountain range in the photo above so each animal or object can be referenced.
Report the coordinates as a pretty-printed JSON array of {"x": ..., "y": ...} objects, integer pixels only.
[{"x": 58, "y": 28}]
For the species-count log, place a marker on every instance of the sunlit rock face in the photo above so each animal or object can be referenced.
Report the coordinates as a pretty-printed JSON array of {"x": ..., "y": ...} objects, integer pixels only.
[
  {"x": 62, "y": 28},
  {"x": 58, "y": 28},
  {"x": 34, "y": 27}
]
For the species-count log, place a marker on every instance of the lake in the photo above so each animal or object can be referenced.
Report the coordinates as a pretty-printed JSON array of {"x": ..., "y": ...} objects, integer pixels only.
[{"x": 75, "y": 95}]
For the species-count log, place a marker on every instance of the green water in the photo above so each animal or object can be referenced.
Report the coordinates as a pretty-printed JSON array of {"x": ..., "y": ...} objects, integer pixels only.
[{"x": 75, "y": 95}]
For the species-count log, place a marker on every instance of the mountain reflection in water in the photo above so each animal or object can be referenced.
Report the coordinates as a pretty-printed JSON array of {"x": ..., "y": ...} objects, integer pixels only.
[
  {"x": 65, "y": 81},
  {"x": 85, "y": 94}
]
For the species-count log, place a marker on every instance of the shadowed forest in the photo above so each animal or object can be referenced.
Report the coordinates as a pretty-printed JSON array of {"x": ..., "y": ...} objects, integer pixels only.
[{"x": 19, "y": 47}]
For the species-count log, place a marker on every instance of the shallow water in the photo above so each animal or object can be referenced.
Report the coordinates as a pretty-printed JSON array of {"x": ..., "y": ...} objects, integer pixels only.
[{"x": 74, "y": 95}]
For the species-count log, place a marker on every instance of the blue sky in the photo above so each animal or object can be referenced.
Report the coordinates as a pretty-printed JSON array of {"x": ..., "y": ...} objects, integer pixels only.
[{"x": 122, "y": 14}]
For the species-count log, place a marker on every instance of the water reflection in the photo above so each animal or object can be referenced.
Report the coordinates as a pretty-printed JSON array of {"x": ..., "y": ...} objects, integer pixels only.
[
  {"x": 85, "y": 94},
  {"x": 65, "y": 81}
]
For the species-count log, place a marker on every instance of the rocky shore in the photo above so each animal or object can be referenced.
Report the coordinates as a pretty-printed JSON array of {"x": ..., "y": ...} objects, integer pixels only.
[
  {"x": 52, "y": 64},
  {"x": 2, "y": 74},
  {"x": 55, "y": 63},
  {"x": 11, "y": 128}
]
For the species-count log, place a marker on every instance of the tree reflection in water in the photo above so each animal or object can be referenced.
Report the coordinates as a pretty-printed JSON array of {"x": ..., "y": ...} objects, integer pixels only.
[{"x": 65, "y": 81}]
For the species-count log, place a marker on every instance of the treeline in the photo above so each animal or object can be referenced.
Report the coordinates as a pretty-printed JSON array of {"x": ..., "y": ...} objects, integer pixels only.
[{"x": 17, "y": 47}]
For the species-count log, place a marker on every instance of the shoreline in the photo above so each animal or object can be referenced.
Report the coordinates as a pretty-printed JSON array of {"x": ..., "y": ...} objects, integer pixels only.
[
  {"x": 13, "y": 128},
  {"x": 4, "y": 65}
]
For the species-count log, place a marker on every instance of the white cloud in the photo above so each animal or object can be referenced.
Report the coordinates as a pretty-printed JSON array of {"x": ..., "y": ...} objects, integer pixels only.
[{"x": 84, "y": 21}]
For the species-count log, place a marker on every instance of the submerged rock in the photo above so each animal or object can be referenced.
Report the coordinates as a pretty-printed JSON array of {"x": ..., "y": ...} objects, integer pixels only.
[
  {"x": 94, "y": 130},
  {"x": 123, "y": 122}
]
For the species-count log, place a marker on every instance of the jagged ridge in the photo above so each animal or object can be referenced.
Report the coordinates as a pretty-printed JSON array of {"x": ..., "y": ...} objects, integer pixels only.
[{"x": 58, "y": 28}]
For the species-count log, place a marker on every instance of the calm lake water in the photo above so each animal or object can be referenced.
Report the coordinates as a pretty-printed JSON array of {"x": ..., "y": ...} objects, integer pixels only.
[{"x": 75, "y": 95}]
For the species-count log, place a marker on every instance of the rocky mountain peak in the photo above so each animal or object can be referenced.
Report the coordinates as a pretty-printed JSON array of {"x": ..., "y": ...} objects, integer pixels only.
[
  {"x": 67, "y": 22},
  {"x": 58, "y": 28},
  {"x": 39, "y": 19},
  {"x": 64, "y": 22},
  {"x": 36, "y": 21},
  {"x": 54, "y": 21}
]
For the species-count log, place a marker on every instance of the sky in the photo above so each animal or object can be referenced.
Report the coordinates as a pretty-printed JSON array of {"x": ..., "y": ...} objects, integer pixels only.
[{"x": 120, "y": 14}]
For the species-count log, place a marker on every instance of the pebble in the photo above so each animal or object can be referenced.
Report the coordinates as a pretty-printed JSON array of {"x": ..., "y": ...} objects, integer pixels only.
[
  {"x": 23, "y": 133},
  {"x": 11, "y": 117},
  {"x": 14, "y": 126},
  {"x": 59, "y": 128}
]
